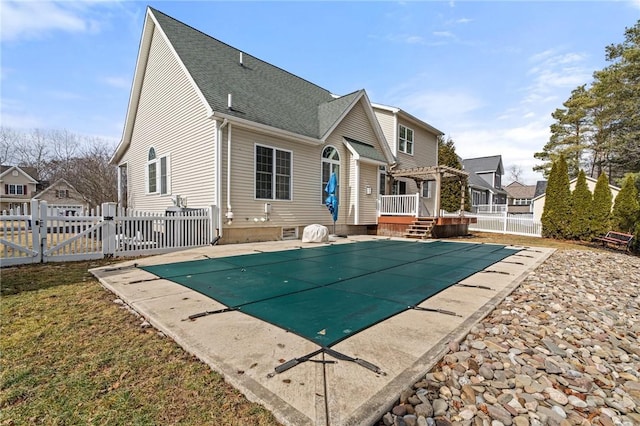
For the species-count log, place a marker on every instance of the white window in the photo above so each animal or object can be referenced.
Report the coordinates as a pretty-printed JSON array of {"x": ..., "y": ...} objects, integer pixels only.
[
  {"x": 427, "y": 188},
  {"x": 405, "y": 140},
  {"x": 272, "y": 173},
  {"x": 158, "y": 173},
  {"x": 62, "y": 193},
  {"x": 399, "y": 187},
  {"x": 13, "y": 189},
  {"x": 382, "y": 182},
  {"x": 330, "y": 164}
]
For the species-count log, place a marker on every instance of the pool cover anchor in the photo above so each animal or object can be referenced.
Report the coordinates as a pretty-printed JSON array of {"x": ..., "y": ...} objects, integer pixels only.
[
  {"x": 338, "y": 355},
  {"x": 206, "y": 313},
  {"x": 438, "y": 310},
  {"x": 483, "y": 287}
]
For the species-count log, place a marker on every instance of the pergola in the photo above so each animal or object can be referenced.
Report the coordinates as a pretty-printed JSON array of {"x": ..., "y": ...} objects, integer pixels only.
[{"x": 437, "y": 173}]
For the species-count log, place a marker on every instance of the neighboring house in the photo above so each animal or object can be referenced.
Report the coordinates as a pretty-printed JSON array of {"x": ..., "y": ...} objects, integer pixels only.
[
  {"x": 62, "y": 199},
  {"x": 18, "y": 186},
  {"x": 538, "y": 202},
  {"x": 218, "y": 127},
  {"x": 520, "y": 197},
  {"x": 485, "y": 184}
]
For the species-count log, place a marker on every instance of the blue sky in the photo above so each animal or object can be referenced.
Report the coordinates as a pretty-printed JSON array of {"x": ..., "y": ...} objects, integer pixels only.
[{"x": 488, "y": 74}]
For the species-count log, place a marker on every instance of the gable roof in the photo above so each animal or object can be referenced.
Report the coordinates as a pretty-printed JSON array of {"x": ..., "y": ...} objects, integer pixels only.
[
  {"x": 406, "y": 116},
  {"x": 541, "y": 188},
  {"x": 235, "y": 85},
  {"x": 55, "y": 185},
  {"x": 30, "y": 173},
  {"x": 484, "y": 164},
  {"x": 520, "y": 191},
  {"x": 261, "y": 92}
]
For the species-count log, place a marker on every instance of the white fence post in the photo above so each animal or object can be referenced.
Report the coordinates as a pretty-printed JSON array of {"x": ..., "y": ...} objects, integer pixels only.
[
  {"x": 213, "y": 222},
  {"x": 42, "y": 241},
  {"x": 109, "y": 229},
  {"x": 505, "y": 218},
  {"x": 35, "y": 229}
]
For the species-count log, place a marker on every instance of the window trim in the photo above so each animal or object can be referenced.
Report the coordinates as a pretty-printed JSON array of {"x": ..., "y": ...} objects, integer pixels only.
[
  {"x": 23, "y": 189},
  {"x": 407, "y": 142},
  {"x": 273, "y": 172},
  {"x": 157, "y": 162}
]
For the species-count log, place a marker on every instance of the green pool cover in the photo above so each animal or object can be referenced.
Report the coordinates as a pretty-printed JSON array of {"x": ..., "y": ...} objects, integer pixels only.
[{"x": 326, "y": 294}]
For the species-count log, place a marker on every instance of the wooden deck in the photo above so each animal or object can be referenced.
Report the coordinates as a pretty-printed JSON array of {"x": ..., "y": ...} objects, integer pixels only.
[{"x": 396, "y": 226}]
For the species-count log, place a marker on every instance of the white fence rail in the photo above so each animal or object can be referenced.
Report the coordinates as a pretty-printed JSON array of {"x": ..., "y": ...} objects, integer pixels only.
[
  {"x": 516, "y": 224},
  {"x": 399, "y": 205},
  {"x": 39, "y": 237},
  {"x": 490, "y": 208}
]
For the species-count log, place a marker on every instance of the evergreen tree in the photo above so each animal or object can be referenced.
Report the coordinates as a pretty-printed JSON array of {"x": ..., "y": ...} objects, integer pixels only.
[
  {"x": 626, "y": 208},
  {"x": 571, "y": 133},
  {"x": 557, "y": 207},
  {"x": 617, "y": 94},
  {"x": 601, "y": 207},
  {"x": 581, "y": 206},
  {"x": 451, "y": 190}
]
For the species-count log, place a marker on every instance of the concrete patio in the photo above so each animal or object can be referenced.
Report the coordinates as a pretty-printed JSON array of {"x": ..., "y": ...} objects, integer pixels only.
[{"x": 246, "y": 350}]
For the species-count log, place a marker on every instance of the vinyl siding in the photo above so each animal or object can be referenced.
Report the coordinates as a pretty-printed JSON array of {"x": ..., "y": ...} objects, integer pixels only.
[
  {"x": 172, "y": 119},
  {"x": 307, "y": 203},
  {"x": 356, "y": 125},
  {"x": 425, "y": 148},
  {"x": 387, "y": 123}
]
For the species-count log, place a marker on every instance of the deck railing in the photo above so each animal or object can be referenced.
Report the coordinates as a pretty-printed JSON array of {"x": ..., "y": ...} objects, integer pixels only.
[{"x": 399, "y": 205}]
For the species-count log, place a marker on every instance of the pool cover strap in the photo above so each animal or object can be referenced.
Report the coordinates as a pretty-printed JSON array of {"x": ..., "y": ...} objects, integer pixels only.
[{"x": 331, "y": 352}]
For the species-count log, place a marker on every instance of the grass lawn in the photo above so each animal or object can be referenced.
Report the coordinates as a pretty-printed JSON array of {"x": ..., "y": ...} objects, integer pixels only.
[{"x": 69, "y": 355}]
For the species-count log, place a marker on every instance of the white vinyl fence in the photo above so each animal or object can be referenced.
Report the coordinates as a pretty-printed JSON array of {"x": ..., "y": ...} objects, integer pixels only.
[
  {"x": 504, "y": 223},
  {"x": 36, "y": 236}
]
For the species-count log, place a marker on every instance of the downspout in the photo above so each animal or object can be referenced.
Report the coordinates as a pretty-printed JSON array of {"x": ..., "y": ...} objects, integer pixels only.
[
  {"x": 219, "y": 174},
  {"x": 229, "y": 213},
  {"x": 357, "y": 200}
]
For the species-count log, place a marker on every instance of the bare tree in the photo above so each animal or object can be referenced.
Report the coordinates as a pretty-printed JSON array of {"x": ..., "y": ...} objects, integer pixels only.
[
  {"x": 33, "y": 150},
  {"x": 92, "y": 175},
  {"x": 515, "y": 172},
  {"x": 9, "y": 139},
  {"x": 81, "y": 160}
]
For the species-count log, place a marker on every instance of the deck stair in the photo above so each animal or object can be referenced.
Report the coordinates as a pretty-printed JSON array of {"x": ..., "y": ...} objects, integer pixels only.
[{"x": 420, "y": 228}]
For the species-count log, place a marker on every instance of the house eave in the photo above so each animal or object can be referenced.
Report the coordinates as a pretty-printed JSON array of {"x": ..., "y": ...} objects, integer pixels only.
[{"x": 263, "y": 128}]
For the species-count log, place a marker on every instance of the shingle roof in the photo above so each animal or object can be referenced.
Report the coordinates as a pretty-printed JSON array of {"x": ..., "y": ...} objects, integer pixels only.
[
  {"x": 483, "y": 164},
  {"x": 521, "y": 191},
  {"x": 31, "y": 171},
  {"x": 261, "y": 92},
  {"x": 365, "y": 150},
  {"x": 541, "y": 188}
]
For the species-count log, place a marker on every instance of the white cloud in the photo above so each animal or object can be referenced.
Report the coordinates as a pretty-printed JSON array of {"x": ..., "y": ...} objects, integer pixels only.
[
  {"x": 635, "y": 3},
  {"x": 28, "y": 20},
  {"x": 118, "y": 82},
  {"x": 445, "y": 34},
  {"x": 439, "y": 106}
]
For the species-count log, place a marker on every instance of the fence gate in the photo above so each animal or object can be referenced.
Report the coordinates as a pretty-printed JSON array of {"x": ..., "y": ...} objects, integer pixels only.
[
  {"x": 106, "y": 231},
  {"x": 20, "y": 236},
  {"x": 66, "y": 238}
]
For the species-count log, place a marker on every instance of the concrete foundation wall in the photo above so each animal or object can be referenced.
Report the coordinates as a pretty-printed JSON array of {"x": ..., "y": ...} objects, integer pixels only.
[{"x": 274, "y": 233}]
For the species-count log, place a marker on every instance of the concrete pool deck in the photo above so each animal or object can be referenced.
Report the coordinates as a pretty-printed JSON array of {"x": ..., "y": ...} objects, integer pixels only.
[{"x": 245, "y": 350}]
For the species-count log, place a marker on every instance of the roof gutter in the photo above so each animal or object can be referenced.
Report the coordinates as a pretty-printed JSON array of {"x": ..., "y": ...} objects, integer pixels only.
[{"x": 273, "y": 131}]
